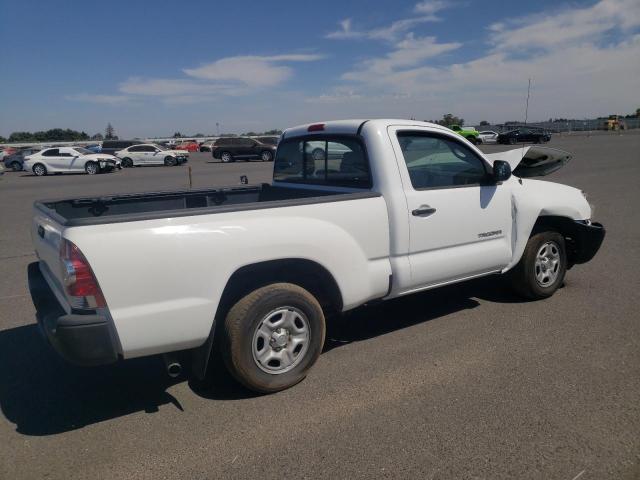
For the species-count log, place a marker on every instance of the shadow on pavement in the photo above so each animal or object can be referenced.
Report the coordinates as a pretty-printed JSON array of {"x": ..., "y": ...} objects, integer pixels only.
[{"x": 43, "y": 395}]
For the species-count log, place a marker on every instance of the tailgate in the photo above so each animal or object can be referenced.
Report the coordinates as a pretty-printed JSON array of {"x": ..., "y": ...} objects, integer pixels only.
[{"x": 46, "y": 236}]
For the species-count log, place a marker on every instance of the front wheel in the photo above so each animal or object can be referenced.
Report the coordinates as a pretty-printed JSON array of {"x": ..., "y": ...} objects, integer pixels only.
[
  {"x": 39, "y": 169},
  {"x": 473, "y": 140},
  {"x": 272, "y": 337},
  {"x": 266, "y": 156},
  {"x": 542, "y": 268},
  {"x": 226, "y": 157},
  {"x": 92, "y": 168},
  {"x": 126, "y": 163},
  {"x": 16, "y": 166},
  {"x": 170, "y": 161}
]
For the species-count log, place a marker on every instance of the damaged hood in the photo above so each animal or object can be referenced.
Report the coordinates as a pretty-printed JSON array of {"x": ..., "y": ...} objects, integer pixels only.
[{"x": 532, "y": 161}]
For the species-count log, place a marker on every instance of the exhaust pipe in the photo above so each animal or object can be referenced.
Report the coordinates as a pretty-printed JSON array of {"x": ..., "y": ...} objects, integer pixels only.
[{"x": 174, "y": 368}]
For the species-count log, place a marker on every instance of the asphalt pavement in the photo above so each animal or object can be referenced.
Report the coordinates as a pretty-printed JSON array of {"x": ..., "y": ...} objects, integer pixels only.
[{"x": 466, "y": 381}]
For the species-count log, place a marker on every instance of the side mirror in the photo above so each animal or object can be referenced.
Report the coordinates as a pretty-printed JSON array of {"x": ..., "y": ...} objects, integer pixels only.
[{"x": 501, "y": 171}]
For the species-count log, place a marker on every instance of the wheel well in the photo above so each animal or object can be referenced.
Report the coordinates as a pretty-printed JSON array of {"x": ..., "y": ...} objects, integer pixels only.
[
  {"x": 306, "y": 273},
  {"x": 564, "y": 226}
]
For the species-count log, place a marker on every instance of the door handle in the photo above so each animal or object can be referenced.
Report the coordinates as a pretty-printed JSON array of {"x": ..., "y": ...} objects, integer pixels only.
[{"x": 423, "y": 211}]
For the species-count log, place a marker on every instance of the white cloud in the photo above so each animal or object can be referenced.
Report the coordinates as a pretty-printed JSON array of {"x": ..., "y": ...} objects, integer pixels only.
[
  {"x": 582, "y": 63},
  {"x": 427, "y": 10},
  {"x": 568, "y": 26},
  {"x": 408, "y": 53},
  {"x": 250, "y": 70},
  {"x": 430, "y": 7},
  {"x": 97, "y": 98},
  {"x": 232, "y": 76}
]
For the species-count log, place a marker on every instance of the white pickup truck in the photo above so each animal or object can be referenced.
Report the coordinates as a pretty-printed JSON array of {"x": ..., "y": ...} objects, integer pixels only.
[{"x": 358, "y": 211}]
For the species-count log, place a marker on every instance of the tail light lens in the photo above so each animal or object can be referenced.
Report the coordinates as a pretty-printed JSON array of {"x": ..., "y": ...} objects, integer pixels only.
[{"x": 79, "y": 281}]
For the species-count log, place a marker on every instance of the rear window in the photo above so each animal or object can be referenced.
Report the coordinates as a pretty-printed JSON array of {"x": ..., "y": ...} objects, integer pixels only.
[{"x": 335, "y": 161}]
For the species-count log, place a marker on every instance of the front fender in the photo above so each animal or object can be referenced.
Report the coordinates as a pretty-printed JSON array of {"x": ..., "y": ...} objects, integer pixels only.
[{"x": 533, "y": 199}]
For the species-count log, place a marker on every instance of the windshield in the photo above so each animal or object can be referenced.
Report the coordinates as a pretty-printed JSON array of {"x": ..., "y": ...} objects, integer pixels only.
[{"x": 83, "y": 151}]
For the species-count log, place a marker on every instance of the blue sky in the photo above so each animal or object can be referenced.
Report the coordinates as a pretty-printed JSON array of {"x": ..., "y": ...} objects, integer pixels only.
[{"x": 152, "y": 68}]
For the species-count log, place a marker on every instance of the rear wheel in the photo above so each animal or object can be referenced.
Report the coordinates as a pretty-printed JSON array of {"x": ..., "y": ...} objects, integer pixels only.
[
  {"x": 226, "y": 157},
  {"x": 266, "y": 156},
  {"x": 273, "y": 336},
  {"x": 542, "y": 268},
  {"x": 472, "y": 139},
  {"x": 39, "y": 169},
  {"x": 126, "y": 163},
  {"x": 92, "y": 168},
  {"x": 170, "y": 161},
  {"x": 16, "y": 166},
  {"x": 512, "y": 141}
]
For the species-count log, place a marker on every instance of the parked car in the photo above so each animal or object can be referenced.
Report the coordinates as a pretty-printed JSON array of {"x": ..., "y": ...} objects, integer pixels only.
[
  {"x": 488, "y": 136},
  {"x": 206, "y": 146},
  {"x": 112, "y": 146},
  {"x": 69, "y": 160},
  {"x": 95, "y": 148},
  {"x": 469, "y": 133},
  {"x": 254, "y": 270},
  {"x": 15, "y": 161},
  {"x": 230, "y": 149},
  {"x": 269, "y": 140},
  {"x": 151, "y": 154},
  {"x": 522, "y": 135},
  {"x": 189, "y": 146},
  {"x": 4, "y": 151}
]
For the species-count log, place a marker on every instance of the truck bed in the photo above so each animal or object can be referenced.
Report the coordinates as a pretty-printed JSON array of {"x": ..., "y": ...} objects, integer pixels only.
[{"x": 146, "y": 206}]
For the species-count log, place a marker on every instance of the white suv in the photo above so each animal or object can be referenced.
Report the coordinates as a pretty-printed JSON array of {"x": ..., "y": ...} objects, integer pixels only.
[{"x": 151, "y": 154}]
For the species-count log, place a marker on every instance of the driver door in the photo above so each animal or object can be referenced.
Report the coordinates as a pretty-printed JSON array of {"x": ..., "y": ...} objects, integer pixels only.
[{"x": 460, "y": 221}]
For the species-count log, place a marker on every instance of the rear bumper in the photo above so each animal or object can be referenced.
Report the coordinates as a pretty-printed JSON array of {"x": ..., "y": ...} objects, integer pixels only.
[
  {"x": 586, "y": 241},
  {"x": 81, "y": 339}
]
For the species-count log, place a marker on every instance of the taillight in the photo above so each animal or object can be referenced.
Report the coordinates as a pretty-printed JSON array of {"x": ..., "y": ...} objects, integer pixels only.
[
  {"x": 316, "y": 127},
  {"x": 79, "y": 281}
]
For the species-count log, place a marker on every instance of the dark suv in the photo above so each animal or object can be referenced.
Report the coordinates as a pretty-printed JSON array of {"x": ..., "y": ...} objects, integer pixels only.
[
  {"x": 111, "y": 146},
  {"x": 230, "y": 149}
]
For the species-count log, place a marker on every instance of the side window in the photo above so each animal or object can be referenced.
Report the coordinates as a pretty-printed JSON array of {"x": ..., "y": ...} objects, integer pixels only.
[
  {"x": 134, "y": 149},
  {"x": 148, "y": 148},
  {"x": 329, "y": 161},
  {"x": 438, "y": 162},
  {"x": 65, "y": 153},
  {"x": 52, "y": 152}
]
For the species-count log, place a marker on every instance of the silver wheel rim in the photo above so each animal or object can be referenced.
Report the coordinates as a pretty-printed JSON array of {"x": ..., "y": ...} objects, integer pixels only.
[
  {"x": 266, "y": 156},
  {"x": 547, "y": 266},
  {"x": 281, "y": 340},
  {"x": 226, "y": 157},
  {"x": 39, "y": 169},
  {"x": 91, "y": 168}
]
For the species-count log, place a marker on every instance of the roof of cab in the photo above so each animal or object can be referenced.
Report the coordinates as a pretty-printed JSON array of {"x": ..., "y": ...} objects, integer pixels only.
[{"x": 352, "y": 127}]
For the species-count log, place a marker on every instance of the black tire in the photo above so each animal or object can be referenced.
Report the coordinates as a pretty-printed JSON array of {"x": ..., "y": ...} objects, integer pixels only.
[
  {"x": 126, "y": 163},
  {"x": 511, "y": 141},
  {"x": 16, "y": 166},
  {"x": 523, "y": 276},
  {"x": 472, "y": 139},
  {"x": 226, "y": 157},
  {"x": 266, "y": 156},
  {"x": 170, "y": 161},
  {"x": 92, "y": 168},
  {"x": 251, "y": 313},
  {"x": 39, "y": 169}
]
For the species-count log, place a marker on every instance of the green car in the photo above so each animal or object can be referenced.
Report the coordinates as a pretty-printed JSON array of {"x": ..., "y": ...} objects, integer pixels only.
[{"x": 470, "y": 134}]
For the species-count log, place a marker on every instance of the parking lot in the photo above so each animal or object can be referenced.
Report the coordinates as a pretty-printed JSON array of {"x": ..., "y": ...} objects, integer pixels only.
[{"x": 466, "y": 381}]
